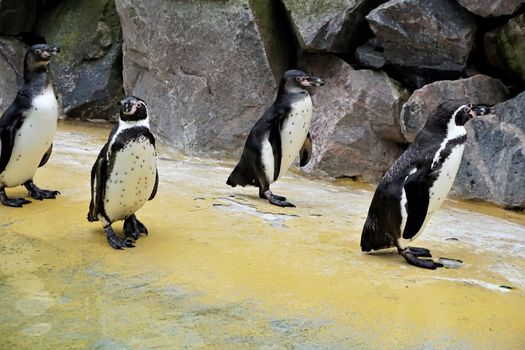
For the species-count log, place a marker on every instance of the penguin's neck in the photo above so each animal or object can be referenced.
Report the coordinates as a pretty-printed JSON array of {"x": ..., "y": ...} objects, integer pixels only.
[
  {"x": 38, "y": 76},
  {"x": 289, "y": 95},
  {"x": 126, "y": 124}
]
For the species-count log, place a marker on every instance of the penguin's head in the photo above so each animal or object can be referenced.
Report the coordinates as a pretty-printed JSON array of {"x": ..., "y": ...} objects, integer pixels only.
[
  {"x": 466, "y": 112},
  {"x": 133, "y": 108},
  {"x": 39, "y": 55},
  {"x": 296, "y": 81}
]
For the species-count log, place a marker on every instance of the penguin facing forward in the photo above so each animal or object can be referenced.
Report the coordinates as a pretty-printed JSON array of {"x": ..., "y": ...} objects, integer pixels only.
[
  {"x": 278, "y": 137},
  {"x": 27, "y": 128},
  {"x": 124, "y": 176},
  {"x": 417, "y": 184}
]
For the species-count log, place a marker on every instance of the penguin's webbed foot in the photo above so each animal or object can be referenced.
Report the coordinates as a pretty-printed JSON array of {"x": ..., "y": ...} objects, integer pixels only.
[
  {"x": 412, "y": 259},
  {"x": 13, "y": 202},
  {"x": 420, "y": 252},
  {"x": 38, "y": 193},
  {"x": 275, "y": 199},
  {"x": 134, "y": 228},
  {"x": 115, "y": 241}
]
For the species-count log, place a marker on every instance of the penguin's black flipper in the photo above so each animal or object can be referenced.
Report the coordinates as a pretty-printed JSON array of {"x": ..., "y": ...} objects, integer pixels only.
[
  {"x": 417, "y": 188},
  {"x": 306, "y": 151},
  {"x": 154, "y": 192},
  {"x": 98, "y": 185},
  {"x": 46, "y": 156},
  {"x": 10, "y": 122}
]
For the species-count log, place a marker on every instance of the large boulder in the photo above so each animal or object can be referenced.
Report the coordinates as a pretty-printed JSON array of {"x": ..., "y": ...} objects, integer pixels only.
[
  {"x": 329, "y": 25},
  {"x": 480, "y": 89},
  {"x": 17, "y": 16},
  {"x": 505, "y": 47},
  {"x": 11, "y": 70},
  {"x": 492, "y": 8},
  {"x": 426, "y": 40},
  {"x": 494, "y": 160},
  {"x": 355, "y": 125},
  {"x": 202, "y": 68},
  {"x": 87, "y": 72}
]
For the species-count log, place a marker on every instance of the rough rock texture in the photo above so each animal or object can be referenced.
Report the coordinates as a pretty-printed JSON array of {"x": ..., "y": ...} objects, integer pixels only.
[
  {"x": 479, "y": 89},
  {"x": 88, "y": 70},
  {"x": 434, "y": 46},
  {"x": 494, "y": 159},
  {"x": 11, "y": 70},
  {"x": 491, "y": 8},
  {"x": 355, "y": 124},
  {"x": 17, "y": 16},
  {"x": 369, "y": 56},
  {"x": 328, "y": 25},
  {"x": 505, "y": 47},
  {"x": 202, "y": 69}
]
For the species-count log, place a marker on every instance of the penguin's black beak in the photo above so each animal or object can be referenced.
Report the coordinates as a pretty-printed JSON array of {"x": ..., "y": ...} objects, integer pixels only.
[
  {"x": 478, "y": 110},
  {"x": 312, "y": 81},
  {"x": 54, "y": 50}
]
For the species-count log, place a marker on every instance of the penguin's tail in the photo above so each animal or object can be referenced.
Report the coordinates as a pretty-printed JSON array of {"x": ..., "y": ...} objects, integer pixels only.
[
  {"x": 372, "y": 238},
  {"x": 239, "y": 176}
]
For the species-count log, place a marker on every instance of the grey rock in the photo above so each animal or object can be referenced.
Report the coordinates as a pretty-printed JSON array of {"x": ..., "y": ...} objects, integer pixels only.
[
  {"x": 88, "y": 71},
  {"x": 479, "y": 89},
  {"x": 355, "y": 123},
  {"x": 368, "y": 56},
  {"x": 494, "y": 160},
  {"x": 17, "y": 16},
  {"x": 427, "y": 40},
  {"x": 11, "y": 70},
  {"x": 329, "y": 25},
  {"x": 492, "y": 8},
  {"x": 202, "y": 69},
  {"x": 505, "y": 47}
]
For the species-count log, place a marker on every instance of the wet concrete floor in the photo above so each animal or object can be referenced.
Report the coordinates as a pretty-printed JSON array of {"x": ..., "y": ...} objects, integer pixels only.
[{"x": 222, "y": 269}]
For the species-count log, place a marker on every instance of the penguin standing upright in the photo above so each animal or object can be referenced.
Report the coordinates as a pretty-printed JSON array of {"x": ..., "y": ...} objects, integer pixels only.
[
  {"x": 27, "y": 128},
  {"x": 124, "y": 176},
  {"x": 418, "y": 183},
  {"x": 278, "y": 137}
]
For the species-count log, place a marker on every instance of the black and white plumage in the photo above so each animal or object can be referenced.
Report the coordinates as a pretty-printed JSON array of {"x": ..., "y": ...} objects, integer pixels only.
[
  {"x": 124, "y": 176},
  {"x": 417, "y": 184},
  {"x": 278, "y": 137},
  {"x": 27, "y": 128}
]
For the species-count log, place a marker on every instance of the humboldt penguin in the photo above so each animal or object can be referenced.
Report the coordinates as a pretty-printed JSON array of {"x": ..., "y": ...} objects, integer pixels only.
[
  {"x": 124, "y": 176},
  {"x": 278, "y": 137},
  {"x": 27, "y": 128},
  {"x": 417, "y": 184}
]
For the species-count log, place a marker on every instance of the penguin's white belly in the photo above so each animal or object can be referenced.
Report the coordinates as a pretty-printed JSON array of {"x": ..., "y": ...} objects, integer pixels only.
[
  {"x": 131, "y": 181},
  {"x": 294, "y": 131},
  {"x": 32, "y": 140},
  {"x": 439, "y": 190}
]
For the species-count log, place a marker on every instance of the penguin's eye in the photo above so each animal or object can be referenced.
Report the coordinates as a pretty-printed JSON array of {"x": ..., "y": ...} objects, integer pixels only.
[
  {"x": 299, "y": 79},
  {"x": 38, "y": 52}
]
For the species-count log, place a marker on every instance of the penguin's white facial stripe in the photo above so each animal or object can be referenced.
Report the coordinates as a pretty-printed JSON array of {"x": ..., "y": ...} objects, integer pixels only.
[{"x": 454, "y": 131}]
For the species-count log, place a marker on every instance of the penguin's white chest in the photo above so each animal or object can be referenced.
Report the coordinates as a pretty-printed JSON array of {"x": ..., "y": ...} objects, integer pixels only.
[
  {"x": 32, "y": 140},
  {"x": 132, "y": 178},
  {"x": 294, "y": 131}
]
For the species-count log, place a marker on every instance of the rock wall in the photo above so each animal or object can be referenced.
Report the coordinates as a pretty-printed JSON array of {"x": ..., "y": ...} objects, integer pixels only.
[{"x": 208, "y": 70}]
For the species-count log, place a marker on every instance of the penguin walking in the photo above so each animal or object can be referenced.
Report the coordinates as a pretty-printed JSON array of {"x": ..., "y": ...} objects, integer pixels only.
[
  {"x": 27, "y": 128},
  {"x": 417, "y": 184},
  {"x": 124, "y": 176},
  {"x": 278, "y": 137}
]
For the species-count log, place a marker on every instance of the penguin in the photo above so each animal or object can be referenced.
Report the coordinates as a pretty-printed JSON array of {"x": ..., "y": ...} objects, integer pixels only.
[
  {"x": 278, "y": 137},
  {"x": 416, "y": 185},
  {"x": 124, "y": 176},
  {"x": 27, "y": 128}
]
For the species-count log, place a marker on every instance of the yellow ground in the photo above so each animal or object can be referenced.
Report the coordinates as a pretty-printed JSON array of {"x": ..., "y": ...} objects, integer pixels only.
[{"x": 222, "y": 269}]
